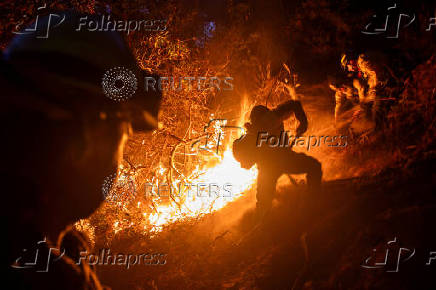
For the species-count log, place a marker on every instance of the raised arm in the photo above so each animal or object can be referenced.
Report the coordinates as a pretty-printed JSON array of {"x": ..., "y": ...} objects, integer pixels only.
[{"x": 285, "y": 110}]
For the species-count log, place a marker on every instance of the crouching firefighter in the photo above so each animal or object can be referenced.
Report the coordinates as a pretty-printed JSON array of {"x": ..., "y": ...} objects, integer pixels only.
[{"x": 272, "y": 162}]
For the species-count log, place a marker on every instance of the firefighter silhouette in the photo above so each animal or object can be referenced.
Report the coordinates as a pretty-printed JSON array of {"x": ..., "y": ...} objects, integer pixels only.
[
  {"x": 272, "y": 162},
  {"x": 63, "y": 136},
  {"x": 371, "y": 77}
]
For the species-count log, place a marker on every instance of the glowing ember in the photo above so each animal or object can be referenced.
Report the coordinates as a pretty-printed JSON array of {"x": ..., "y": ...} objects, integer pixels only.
[
  {"x": 186, "y": 201},
  {"x": 217, "y": 170},
  {"x": 183, "y": 190},
  {"x": 227, "y": 171}
]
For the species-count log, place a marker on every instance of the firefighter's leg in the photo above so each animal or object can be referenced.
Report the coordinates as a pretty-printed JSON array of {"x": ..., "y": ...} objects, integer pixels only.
[
  {"x": 378, "y": 112},
  {"x": 266, "y": 187},
  {"x": 339, "y": 101},
  {"x": 298, "y": 163},
  {"x": 375, "y": 112},
  {"x": 357, "y": 84}
]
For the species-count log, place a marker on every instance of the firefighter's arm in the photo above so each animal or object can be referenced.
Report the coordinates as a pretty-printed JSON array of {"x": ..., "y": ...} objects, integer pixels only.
[{"x": 285, "y": 110}]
